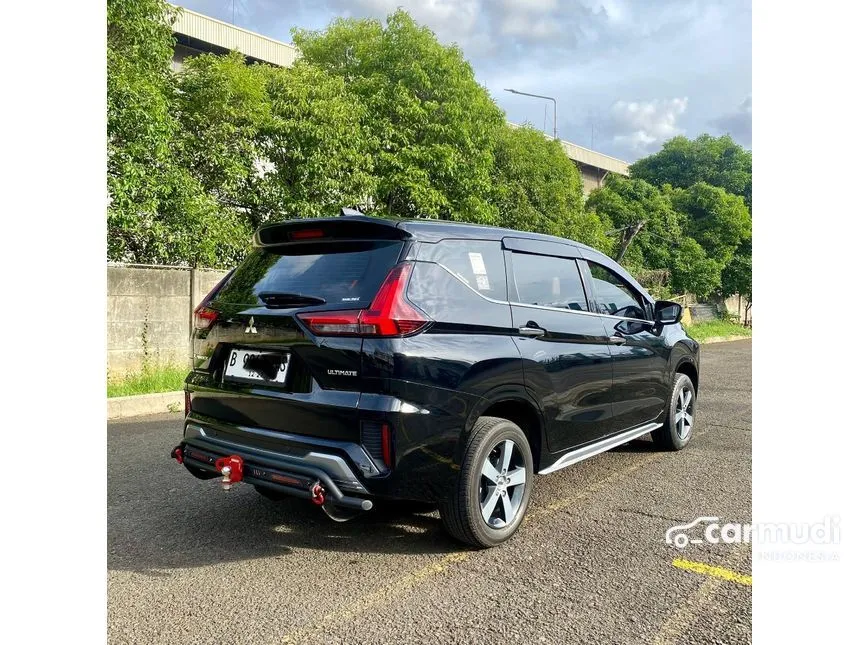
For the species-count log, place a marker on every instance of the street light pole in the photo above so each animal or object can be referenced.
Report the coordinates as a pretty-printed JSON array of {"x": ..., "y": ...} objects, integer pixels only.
[{"x": 554, "y": 108}]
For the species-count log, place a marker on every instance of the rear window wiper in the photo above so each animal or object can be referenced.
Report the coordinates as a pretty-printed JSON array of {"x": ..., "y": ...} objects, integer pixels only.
[{"x": 280, "y": 300}]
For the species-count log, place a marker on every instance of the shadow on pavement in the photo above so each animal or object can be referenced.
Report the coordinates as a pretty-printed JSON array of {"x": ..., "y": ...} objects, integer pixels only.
[{"x": 160, "y": 517}]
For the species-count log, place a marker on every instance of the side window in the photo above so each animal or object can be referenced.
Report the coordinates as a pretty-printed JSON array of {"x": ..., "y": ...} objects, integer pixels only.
[
  {"x": 547, "y": 281},
  {"x": 613, "y": 295},
  {"x": 478, "y": 263}
]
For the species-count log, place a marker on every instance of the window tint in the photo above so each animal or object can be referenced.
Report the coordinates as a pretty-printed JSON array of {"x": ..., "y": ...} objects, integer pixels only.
[
  {"x": 547, "y": 281},
  {"x": 478, "y": 263},
  {"x": 339, "y": 272},
  {"x": 613, "y": 295}
]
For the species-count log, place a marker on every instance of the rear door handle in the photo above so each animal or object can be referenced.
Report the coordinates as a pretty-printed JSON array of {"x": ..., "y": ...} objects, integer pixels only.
[
  {"x": 617, "y": 340},
  {"x": 531, "y": 331}
]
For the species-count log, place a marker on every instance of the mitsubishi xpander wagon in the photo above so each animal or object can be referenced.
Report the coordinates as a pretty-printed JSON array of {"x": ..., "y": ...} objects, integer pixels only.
[{"x": 353, "y": 360}]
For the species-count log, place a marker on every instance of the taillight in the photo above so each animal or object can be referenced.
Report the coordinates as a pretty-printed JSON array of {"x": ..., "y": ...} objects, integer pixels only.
[
  {"x": 390, "y": 314},
  {"x": 204, "y": 317},
  {"x": 187, "y": 403}
]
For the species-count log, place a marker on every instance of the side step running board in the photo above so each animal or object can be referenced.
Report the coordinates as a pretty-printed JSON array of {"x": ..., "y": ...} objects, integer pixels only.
[{"x": 597, "y": 447}]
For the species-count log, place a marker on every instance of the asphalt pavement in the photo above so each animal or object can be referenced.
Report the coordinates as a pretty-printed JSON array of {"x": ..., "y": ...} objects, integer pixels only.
[{"x": 189, "y": 563}]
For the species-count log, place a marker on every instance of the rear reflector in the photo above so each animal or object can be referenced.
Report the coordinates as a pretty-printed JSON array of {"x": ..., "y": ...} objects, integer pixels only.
[
  {"x": 390, "y": 314},
  {"x": 386, "y": 445},
  {"x": 377, "y": 438}
]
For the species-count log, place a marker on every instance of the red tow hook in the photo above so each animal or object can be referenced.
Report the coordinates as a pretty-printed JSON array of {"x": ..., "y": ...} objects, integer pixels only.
[
  {"x": 318, "y": 494},
  {"x": 176, "y": 453},
  {"x": 231, "y": 469}
]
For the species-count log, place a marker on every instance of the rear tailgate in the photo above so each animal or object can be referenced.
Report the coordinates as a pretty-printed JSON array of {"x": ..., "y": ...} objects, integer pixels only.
[{"x": 296, "y": 267}]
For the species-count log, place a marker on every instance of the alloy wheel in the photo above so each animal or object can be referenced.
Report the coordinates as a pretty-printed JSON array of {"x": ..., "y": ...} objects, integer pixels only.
[
  {"x": 684, "y": 413},
  {"x": 503, "y": 482}
]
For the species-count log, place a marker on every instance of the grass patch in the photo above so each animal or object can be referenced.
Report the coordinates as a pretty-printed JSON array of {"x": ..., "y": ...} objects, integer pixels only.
[
  {"x": 715, "y": 329},
  {"x": 149, "y": 381}
]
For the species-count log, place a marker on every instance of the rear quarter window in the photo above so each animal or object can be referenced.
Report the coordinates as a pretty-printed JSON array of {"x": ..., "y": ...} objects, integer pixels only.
[
  {"x": 478, "y": 263},
  {"x": 450, "y": 278}
]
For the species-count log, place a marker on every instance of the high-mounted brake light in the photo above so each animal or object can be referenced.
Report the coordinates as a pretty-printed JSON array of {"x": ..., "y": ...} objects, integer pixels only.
[
  {"x": 390, "y": 314},
  {"x": 306, "y": 234}
]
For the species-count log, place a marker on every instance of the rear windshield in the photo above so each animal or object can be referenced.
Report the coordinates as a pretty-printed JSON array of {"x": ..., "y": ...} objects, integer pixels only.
[{"x": 347, "y": 273}]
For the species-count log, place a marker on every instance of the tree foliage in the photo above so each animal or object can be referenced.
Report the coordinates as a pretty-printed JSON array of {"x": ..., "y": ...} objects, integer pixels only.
[
  {"x": 623, "y": 203},
  {"x": 693, "y": 271},
  {"x": 382, "y": 116},
  {"x": 158, "y": 212},
  {"x": 430, "y": 125},
  {"x": 537, "y": 188},
  {"x": 273, "y": 143},
  {"x": 682, "y": 162},
  {"x": 717, "y": 220},
  {"x": 737, "y": 274}
]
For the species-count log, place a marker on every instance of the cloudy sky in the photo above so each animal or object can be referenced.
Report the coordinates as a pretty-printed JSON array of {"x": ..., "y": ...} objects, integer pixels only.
[{"x": 628, "y": 74}]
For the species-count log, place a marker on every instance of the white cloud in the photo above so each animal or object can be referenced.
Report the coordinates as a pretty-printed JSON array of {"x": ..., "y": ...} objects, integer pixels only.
[
  {"x": 643, "y": 125},
  {"x": 737, "y": 123}
]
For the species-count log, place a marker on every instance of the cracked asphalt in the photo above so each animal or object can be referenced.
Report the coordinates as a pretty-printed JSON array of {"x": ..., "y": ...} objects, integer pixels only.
[{"x": 188, "y": 563}]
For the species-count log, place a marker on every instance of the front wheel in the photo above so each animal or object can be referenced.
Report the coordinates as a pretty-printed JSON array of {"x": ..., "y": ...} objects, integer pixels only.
[
  {"x": 678, "y": 426},
  {"x": 492, "y": 493}
]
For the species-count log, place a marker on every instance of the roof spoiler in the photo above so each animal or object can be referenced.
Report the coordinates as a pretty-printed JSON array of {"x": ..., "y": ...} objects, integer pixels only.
[{"x": 351, "y": 225}]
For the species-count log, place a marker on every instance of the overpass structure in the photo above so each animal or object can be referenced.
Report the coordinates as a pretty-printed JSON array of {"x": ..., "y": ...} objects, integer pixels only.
[{"x": 197, "y": 34}]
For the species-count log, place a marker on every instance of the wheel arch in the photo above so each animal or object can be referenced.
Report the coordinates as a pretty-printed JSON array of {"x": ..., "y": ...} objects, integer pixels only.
[
  {"x": 514, "y": 404},
  {"x": 686, "y": 366}
]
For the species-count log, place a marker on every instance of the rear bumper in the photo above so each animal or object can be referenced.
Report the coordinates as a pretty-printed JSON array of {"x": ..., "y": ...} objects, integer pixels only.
[
  {"x": 323, "y": 429},
  {"x": 298, "y": 480},
  {"x": 293, "y": 468}
]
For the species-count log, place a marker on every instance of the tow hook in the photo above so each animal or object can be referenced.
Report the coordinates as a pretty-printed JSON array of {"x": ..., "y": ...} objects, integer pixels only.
[
  {"x": 176, "y": 453},
  {"x": 231, "y": 470},
  {"x": 318, "y": 494}
]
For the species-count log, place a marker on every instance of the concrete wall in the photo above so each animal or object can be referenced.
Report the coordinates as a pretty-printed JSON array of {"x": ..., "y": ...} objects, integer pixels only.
[{"x": 149, "y": 314}]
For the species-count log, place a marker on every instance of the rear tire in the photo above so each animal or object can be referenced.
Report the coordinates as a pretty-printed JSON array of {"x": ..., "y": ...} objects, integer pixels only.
[
  {"x": 677, "y": 427},
  {"x": 492, "y": 492}
]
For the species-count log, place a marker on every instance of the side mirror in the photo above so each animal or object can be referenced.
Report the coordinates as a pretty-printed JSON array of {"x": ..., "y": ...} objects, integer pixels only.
[{"x": 667, "y": 312}]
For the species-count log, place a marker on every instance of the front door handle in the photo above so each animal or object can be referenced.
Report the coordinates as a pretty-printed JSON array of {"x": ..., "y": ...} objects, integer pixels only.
[
  {"x": 531, "y": 331},
  {"x": 617, "y": 340}
]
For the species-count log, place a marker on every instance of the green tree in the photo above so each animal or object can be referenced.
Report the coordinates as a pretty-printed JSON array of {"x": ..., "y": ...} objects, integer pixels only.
[
  {"x": 717, "y": 220},
  {"x": 693, "y": 271},
  {"x": 537, "y": 188},
  {"x": 158, "y": 212},
  {"x": 430, "y": 125},
  {"x": 273, "y": 142},
  {"x": 645, "y": 223},
  {"x": 682, "y": 162}
]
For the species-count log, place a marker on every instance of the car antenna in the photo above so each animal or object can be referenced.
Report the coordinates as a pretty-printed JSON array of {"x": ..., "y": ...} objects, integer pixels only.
[{"x": 349, "y": 211}]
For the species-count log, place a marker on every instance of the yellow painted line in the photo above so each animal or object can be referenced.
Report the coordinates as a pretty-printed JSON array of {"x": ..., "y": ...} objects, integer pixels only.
[
  {"x": 673, "y": 629},
  {"x": 715, "y": 572},
  {"x": 389, "y": 591}
]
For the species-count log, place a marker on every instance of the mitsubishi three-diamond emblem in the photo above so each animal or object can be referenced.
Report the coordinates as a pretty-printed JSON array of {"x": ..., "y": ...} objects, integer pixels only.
[{"x": 250, "y": 329}]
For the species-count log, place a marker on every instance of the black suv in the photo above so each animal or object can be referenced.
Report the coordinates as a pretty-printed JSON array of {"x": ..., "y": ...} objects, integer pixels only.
[{"x": 352, "y": 360}]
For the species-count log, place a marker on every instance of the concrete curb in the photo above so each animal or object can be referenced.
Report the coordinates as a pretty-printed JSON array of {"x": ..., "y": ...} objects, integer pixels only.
[
  {"x": 121, "y": 407},
  {"x": 723, "y": 339}
]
